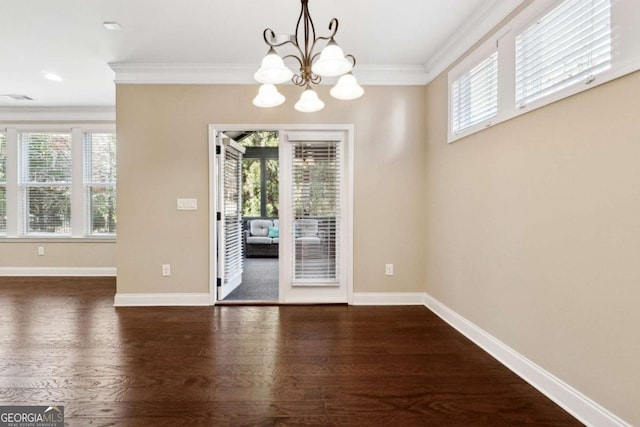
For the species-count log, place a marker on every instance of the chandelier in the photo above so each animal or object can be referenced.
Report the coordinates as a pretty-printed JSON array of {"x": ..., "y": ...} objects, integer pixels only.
[{"x": 313, "y": 65}]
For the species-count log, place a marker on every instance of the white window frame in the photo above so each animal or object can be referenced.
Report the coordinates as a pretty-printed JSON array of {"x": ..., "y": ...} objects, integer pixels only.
[
  {"x": 625, "y": 59},
  {"x": 79, "y": 219}
]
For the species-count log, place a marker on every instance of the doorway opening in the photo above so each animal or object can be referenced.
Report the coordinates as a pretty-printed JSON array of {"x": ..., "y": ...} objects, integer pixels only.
[
  {"x": 282, "y": 213},
  {"x": 258, "y": 207}
]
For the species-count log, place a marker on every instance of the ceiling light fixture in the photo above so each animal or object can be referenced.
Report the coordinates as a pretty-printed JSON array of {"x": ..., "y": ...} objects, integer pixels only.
[
  {"x": 18, "y": 97},
  {"x": 330, "y": 62},
  {"x": 113, "y": 26},
  {"x": 52, "y": 76}
]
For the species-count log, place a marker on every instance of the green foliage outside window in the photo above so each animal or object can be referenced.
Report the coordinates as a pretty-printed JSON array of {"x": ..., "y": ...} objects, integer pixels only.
[
  {"x": 251, "y": 188},
  {"x": 256, "y": 188}
]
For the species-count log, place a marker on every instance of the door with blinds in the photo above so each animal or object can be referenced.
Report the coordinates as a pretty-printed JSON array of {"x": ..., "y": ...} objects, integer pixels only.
[
  {"x": 313, "y": 214},
  {"x": 229, "y": 246}
]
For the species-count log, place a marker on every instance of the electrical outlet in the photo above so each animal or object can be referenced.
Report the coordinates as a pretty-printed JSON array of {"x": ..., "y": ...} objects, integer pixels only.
[
  {"x": 40, "y": 250},
  {"x": 166, "y": 269},
  {"x": 388, "y": 269}
]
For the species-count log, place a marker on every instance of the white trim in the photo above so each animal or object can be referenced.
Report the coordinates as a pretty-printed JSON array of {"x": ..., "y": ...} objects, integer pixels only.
[
  {"x": 571, "y": 400},
  {"x": 59, "y": 127},
  {"x": 477, "y": 27},
  {"x": 213, "y": 223},
  {"x": 161, "y": 300},
  {"x": 388, "y": 298},
  {"x": 58, "y": 114},
  {"x": 137, "y": 73},
  {"x": 59, "y": 271}
]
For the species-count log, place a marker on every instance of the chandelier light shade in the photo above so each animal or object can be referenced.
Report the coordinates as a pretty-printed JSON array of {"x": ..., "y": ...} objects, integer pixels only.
[
  {"x": 273, "y": 70},
  {"x": 314, "y": 64},
  {"x": 347, "y": 88},
  {"x": 332, "y": 62},
  {"x": 268, "y": 96},
  {"x": 309, "y": 102}
]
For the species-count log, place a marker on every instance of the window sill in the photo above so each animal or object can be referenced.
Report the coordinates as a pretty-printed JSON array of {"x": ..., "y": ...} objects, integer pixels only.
[{"x": 44, "y": 239}]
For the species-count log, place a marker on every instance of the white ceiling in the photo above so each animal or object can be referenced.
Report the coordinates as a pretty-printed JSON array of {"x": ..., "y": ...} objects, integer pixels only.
[{"x": 67, "y": 37}]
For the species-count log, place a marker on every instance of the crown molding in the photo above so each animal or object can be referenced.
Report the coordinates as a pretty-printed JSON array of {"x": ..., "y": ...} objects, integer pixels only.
[
  {"x": 476, "y": 27},
  {"x": 139, "y": 73},
  {"x": 67, "y": 114}
]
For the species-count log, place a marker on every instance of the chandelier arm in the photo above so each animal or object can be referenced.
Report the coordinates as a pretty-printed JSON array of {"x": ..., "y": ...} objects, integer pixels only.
[
  {"x": 273, "y": 36},
  {"x": 298, "y": 80},
  {"x": 352, "y": 58},
  {"x": 315, "y": 79},
  {"x": 294, "y": 57}
]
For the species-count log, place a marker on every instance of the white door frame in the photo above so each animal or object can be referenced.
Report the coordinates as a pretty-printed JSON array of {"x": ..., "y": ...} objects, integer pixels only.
[{"x": 281, "y": 128}]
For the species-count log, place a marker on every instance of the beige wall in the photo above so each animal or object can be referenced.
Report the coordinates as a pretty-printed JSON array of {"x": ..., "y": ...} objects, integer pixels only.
[
  {"x": 533, "y": 234},
  {"x": 57, "y": 254},
  {"x": 163, "y": 155}
]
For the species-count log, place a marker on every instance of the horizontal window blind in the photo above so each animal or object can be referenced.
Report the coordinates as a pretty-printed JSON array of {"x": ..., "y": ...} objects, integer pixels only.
[
  {"x": 475, "y": 95},
  {"x": 46, "y": 182},
  {"x": 233, "y": 253},
  {"x": 3, "y": 183},
  {"x": 570, "y": 44},
  {"x": 316, "y": 178},
  {"x": 100, "y": 180}
]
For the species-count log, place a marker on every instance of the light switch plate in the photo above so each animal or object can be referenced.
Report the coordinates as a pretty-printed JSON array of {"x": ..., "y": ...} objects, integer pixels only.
[{"x": 187, "y": 204}]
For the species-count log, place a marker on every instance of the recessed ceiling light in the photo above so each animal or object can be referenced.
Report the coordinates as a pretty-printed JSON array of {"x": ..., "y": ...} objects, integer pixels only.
[
  {"x": 19, "y": 97},
  {"x": 52, "y": 76},
  {"x": 113, "y": 26}
]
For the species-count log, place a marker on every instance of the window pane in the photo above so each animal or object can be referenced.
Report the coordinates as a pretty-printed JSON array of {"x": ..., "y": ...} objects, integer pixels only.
[
  {"x": 100, "y": 178},
  {"x": 101, "y": 153},
  {"x": 3, "y": 181},
  {"x": 251, "y": 191},
  {"x": 316, "y": 210},
  {"x": 3, "y": 158},
  {"x": 3, "y": 209},
  {"x": 570, "y": 44},
  {"x": 103, "y": 209},
  {"x": 49, "y": 209},
  {"x": 475, "y": 95},
  {"x": 272, "y": 185},
  {"x": 47, "y": 157}
]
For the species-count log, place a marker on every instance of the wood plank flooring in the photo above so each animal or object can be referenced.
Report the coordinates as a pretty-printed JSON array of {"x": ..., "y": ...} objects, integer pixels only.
[{"x": 62, "y": 342}]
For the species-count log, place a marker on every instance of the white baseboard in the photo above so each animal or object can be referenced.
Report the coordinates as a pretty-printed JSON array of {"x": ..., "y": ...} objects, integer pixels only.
[
  {"x": 388, "y": 298},
  {"x": 571, "y": 400},
  {"x": 59, "y": 271},
  {"x": 161, "y": 300}
]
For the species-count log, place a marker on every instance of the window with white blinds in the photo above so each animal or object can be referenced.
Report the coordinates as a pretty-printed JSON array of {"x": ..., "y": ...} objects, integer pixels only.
[
  {"x": 475, "y": 95},
  {"x": 100, "y": 182},
  {"x": 551, "y": 50},
  {"x": 232, "y": 205},
  {"x": 46, "y": 182},
  {"x": 3, "y": 183},
  {"x": 316, "y": 185},
  {"x": 570, "y": 44}
]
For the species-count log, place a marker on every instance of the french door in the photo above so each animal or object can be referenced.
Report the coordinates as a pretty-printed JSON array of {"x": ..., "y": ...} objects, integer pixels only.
[
  {"x": 230, "y": 260},
  {"x": 313, "y": 212}
]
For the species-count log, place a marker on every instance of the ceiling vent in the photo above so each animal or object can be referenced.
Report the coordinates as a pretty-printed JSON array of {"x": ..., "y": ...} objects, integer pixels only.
[{"x": 19, "y": 97}]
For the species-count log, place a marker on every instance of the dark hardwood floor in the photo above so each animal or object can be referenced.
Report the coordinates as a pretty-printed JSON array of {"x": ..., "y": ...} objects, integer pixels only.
[{"x": 62, "y": 342}]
